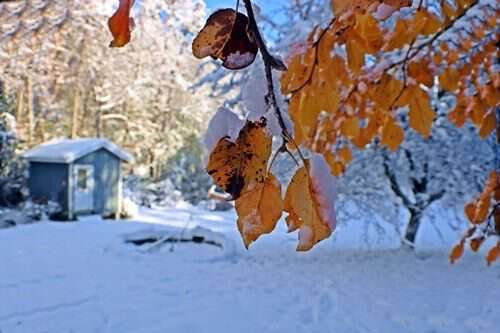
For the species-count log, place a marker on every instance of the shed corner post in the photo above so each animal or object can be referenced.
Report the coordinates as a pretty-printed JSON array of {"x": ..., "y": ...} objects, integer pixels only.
[
  {"x": 119, "y": 192},
  {"x": 70, "y": 192}
]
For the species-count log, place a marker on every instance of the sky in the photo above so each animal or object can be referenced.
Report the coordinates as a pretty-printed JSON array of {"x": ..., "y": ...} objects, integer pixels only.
[{"x": 264, "y": 4}]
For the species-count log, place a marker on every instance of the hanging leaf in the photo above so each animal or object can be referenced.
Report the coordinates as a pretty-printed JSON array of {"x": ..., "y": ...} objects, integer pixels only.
[
  {"x": 225, "y": 37},
  {"x": 121, "y": 24},
  {"x": 241, "y": 165},
  {"x": 475, "y": 243},
  {"x": 421, "y": 115},
  {"x": 309, "y": 201},
  {"x": 259, "y": 209},
  {"x": 299, "y": 71},
  {"x": 488, "y": 124},
  {"x": 449, "y": 79},
  {"x": 392, "y": 135},
  {"x": 355, "y": 55},
  {"x": 457, "y": 252},
  {"x": 493, "y": 254}
]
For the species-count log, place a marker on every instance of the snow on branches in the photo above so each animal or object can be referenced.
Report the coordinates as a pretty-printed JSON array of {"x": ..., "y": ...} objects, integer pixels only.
[{"x": 348, "y": 85}]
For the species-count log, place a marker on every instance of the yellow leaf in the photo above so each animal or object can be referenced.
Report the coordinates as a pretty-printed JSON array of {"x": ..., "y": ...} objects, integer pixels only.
[
  {"x": 345, "y": 154},
  {"x": 355, "y": 55},
  {"x": 308, "y": 209},
  {"x": 421, "y": 115},
  {"x": 259, "y": 209},
  {"x": 392, "y": 135},
  {"x": 449, "y": 79},
  {"x": 299, "y": 71},
  {"x": 457, "y": 252},
  {"x": 386, "y": 91},
  {"x": 294, "y": 112},
  {"x": 368, "y": 29},
  {"x": 350, "y": 127},
  {"x": 399, "y": 37},
  {"x": 239, "y": 166},
  {"x": 488, "y": 125},
  {"x": 325, "y": 47}
]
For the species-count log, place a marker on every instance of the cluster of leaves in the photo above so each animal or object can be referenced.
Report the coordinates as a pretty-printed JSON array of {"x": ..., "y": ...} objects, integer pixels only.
[
  {"x": 347, "y": 85},
  {"x": 484, "y": 215},
  {"x": 353, "y": 76}
]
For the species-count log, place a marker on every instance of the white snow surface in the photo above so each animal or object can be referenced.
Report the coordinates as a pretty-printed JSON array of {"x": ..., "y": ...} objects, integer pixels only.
[
  {"x": 81, "y": 277},
  {"x": 325, "y": 186},
  {"x": 225, "y": 123}
]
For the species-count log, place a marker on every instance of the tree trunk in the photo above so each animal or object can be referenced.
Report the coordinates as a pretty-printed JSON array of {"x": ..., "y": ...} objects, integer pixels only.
[
  {"x": 31, "y": 111},
  {"x": 74, "y": 118},
  {"x": 413, "y": 226},
  {"x": 19, "y": 104}
]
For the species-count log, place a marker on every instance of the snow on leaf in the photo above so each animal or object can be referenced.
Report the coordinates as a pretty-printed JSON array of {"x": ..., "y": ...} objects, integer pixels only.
[
  {"x": 225, "y": 37},
  {"x": 120, "y": 24},
  {"x": 259, "y": 209},
  {"x": 224, "y": 124},
  {"x": 239, "y": 166},
  {"x": 310, "y": 203}
]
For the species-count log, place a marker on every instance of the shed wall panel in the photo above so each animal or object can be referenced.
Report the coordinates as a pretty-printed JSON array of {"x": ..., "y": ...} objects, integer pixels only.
[
  {"x": 106, "y": 174},
  {"x": 49, "y": 181}
]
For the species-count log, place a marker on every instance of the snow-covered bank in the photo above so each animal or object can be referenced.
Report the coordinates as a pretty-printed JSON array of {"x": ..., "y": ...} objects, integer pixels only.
[{"x": 82, "y": 277}]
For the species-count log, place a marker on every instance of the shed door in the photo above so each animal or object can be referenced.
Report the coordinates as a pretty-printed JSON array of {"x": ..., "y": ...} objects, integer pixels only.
[{"x": 83, "y": 180}]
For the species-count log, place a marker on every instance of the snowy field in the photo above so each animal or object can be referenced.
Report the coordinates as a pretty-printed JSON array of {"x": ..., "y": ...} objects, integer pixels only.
[{"x": 83, "y": 277}]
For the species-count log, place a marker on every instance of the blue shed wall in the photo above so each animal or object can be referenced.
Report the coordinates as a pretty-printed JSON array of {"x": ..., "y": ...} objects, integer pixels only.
[
  {"x": 49, "y": 181},
  {"x": 106, "y": 177}
]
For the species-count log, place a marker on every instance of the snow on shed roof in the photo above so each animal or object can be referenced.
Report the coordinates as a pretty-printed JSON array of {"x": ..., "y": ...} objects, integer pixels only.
[{"x": 68, "y": 151}]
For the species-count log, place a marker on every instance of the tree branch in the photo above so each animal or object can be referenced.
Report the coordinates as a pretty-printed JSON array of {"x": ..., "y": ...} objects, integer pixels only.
[{"x": 270, "y": 63}]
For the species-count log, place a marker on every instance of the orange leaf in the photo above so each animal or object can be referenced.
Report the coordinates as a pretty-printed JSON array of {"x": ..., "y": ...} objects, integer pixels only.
[
  {"x": 239, "y": 166},
  {"x": 299, "y": 71},
  {"x": 310, "y": 207},
  {"x": 449, "y": 79},
  {"x": 345, "y": 154},
  {"x": 421, "y": 115},
  {"x": 456, "y": 252},
  {"x": 392, "y": 135},
  {"x": 225, "y": 37},
  {"x": 475, "y": 243},
  {"x": 259, "y": 209},
  {"x": 350, "y": 127},
  {"x": 493, "y": 254},
  {"x": 120, "y": 24},
  {"x": 488, "y": 125},
  {"x": 368, "y": 29},
  {"x": 470, "y": 211},
  {"x": 355, "y": 55},
  {"x": 421, "y": 72}
]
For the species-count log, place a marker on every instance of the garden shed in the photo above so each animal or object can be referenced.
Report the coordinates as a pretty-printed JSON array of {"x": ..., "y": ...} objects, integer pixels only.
[{"x": 82, "y": 175}]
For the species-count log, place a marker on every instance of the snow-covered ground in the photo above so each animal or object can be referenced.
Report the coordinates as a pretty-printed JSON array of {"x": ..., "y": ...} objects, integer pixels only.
[{"x": 83, "y": 277}]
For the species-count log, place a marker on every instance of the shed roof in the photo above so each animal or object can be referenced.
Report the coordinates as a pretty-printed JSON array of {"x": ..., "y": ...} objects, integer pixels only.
[{"x": 68, "y": 151}]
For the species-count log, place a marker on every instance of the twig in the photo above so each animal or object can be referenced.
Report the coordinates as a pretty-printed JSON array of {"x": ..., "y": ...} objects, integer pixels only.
[{"x": 270, "y": 63}]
